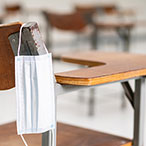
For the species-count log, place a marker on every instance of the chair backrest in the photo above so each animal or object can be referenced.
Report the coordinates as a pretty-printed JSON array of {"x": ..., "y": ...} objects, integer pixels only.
[
  {"x": 86, "y": 9},
  {"x": 107, "y": 8},
  {"x": 68, "y": 22},
  {"x": 7, "y": 79},
  {"x": 13, "y": 8},
  {"x": 31, "y": 44}
]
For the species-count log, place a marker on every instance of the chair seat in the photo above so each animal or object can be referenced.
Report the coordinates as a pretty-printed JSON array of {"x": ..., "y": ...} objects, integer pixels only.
[{"x": 67, "y": 136}]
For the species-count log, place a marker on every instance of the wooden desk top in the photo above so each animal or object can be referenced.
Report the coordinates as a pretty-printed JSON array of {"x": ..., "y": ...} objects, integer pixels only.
[
  {"x": 66, "y": 136},
  {"x": 104, "y": 68},
  {"x": 114, "y": 21},
  {"x": 115, "y": 25}
]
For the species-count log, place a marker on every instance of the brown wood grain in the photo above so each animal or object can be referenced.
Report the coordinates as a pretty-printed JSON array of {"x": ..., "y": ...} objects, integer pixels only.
[
  {"x": 69, "y": 22},
  {"x": 86, "y": 9},
  {"x": 105, "y": 68},
  {"x": 66, "y": 136},
  {"x": 12, "y": 8},
  {"x": 106, "y": 8},
  {"x": 7, "y": 79}
]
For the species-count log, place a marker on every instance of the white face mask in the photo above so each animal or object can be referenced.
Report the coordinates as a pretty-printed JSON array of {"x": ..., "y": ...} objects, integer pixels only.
[{"x": 34, "y": 92}]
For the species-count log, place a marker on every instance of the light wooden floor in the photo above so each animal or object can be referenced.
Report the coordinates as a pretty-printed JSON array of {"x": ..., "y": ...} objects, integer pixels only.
[{"x": 66, "y": 135}]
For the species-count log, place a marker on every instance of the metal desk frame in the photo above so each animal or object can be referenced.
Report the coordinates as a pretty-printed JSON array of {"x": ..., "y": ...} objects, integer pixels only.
[{"x": 138, "y": 102}]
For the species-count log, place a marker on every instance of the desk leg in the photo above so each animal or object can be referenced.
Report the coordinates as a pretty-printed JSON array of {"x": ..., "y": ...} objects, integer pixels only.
[
  {"x": 94, "y": 39},
  {"x": 139, "y": 106},
  {"x": 125, "y": 35},
  {"x": 92, "y": 102},
  {"x": 126, "y": 39}
]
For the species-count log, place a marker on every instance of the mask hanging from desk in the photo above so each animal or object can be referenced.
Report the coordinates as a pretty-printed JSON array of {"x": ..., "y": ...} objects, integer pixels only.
[{"x": 35, "y": 95}]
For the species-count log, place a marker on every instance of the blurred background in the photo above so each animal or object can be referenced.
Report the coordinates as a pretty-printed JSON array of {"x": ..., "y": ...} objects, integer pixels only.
[{"x": 73, "y": 25}]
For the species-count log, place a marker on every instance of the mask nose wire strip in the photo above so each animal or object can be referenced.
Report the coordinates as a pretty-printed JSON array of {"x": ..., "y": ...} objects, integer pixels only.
[
  {"x": 24, "y": 140},
  {"x": 18, "y": 53}
]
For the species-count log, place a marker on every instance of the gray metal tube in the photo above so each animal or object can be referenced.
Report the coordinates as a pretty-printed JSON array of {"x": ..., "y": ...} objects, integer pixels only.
[{"x": 139, "y": 104}]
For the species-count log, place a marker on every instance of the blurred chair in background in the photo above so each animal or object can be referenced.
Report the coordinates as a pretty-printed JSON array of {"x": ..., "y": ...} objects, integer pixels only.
[
  {"x": 99, "y": 8},
  {"x": 12, "y": 9},
  {"x": 100, "y": 20},
  {"x": 9, "y": 10},
  {"x": 77, "y": 22},
  {"x": 74, "y": 22},
  {"x": 122, "y": 28},
  {"x": 69, "y": 22}
]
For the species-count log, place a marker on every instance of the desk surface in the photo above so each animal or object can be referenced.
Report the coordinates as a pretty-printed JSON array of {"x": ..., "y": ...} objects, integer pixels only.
[
  {"x": 114, "y": 25},
  {"x": 104, "y": 68}
]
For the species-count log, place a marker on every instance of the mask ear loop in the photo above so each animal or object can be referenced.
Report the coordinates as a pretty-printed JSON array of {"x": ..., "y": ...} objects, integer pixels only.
[
  {"x": 20, "y": 34},
  {"x": 24, "y": 140},
  {"x": 18, "y": 53}
]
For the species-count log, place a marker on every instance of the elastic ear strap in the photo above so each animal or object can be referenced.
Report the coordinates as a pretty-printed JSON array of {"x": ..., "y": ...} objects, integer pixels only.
[
  {"x": 24, "y": 140},
  {"x": 20, "y": 34}
]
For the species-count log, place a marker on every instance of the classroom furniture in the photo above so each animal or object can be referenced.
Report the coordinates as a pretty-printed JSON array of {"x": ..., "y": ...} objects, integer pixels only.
[
  {"x": 68, "y": 22},
  {"x": 105, "y": 68},
  {"x": 100, "y": 8},
  {"x": 13, "y": 8},
  {"x": 103, "y": 8},
  {"x": 122, "y": 27},
  {"x": 10, "y": 10}
]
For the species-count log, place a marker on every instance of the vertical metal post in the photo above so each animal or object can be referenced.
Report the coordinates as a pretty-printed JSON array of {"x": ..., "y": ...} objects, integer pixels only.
[
  {"x": 126, "y": 40},
  {"x": 125, "y": 35},
  {"x": 81, "y": 95},
  {"x": 46, "y": 138},
  {"x": 49, "y": 137},
  {"x": 94, "y": 38},
  {"x": 48, "y": 37},
  {"x": 139, "y": 105}
]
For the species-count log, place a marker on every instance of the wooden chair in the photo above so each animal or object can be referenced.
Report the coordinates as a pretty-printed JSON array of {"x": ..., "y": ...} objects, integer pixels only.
[
  {"x": 10, "y": 10},
  {"x": 13, "y": 8},
  {"x": 97, "y": 8},
  {"x": 74, "y": 22},
  {"x": 69, "y": 22},
  {"x": 104, "y": 68},
  {"x": 7, "y": 56},
  {"x": 108, "y": 9},
  {"x": 123, "y": 29}
]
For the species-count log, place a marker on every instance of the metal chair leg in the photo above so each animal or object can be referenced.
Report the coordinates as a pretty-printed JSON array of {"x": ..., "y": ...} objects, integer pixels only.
[
  {"x": 92, "y": 102},
  {"x": 125, "y": 35},
  {"x": 139, "y": 106}
]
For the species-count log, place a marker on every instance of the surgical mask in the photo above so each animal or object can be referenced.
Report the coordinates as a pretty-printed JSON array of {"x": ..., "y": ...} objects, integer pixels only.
[{"x": 35, "y": 94}]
